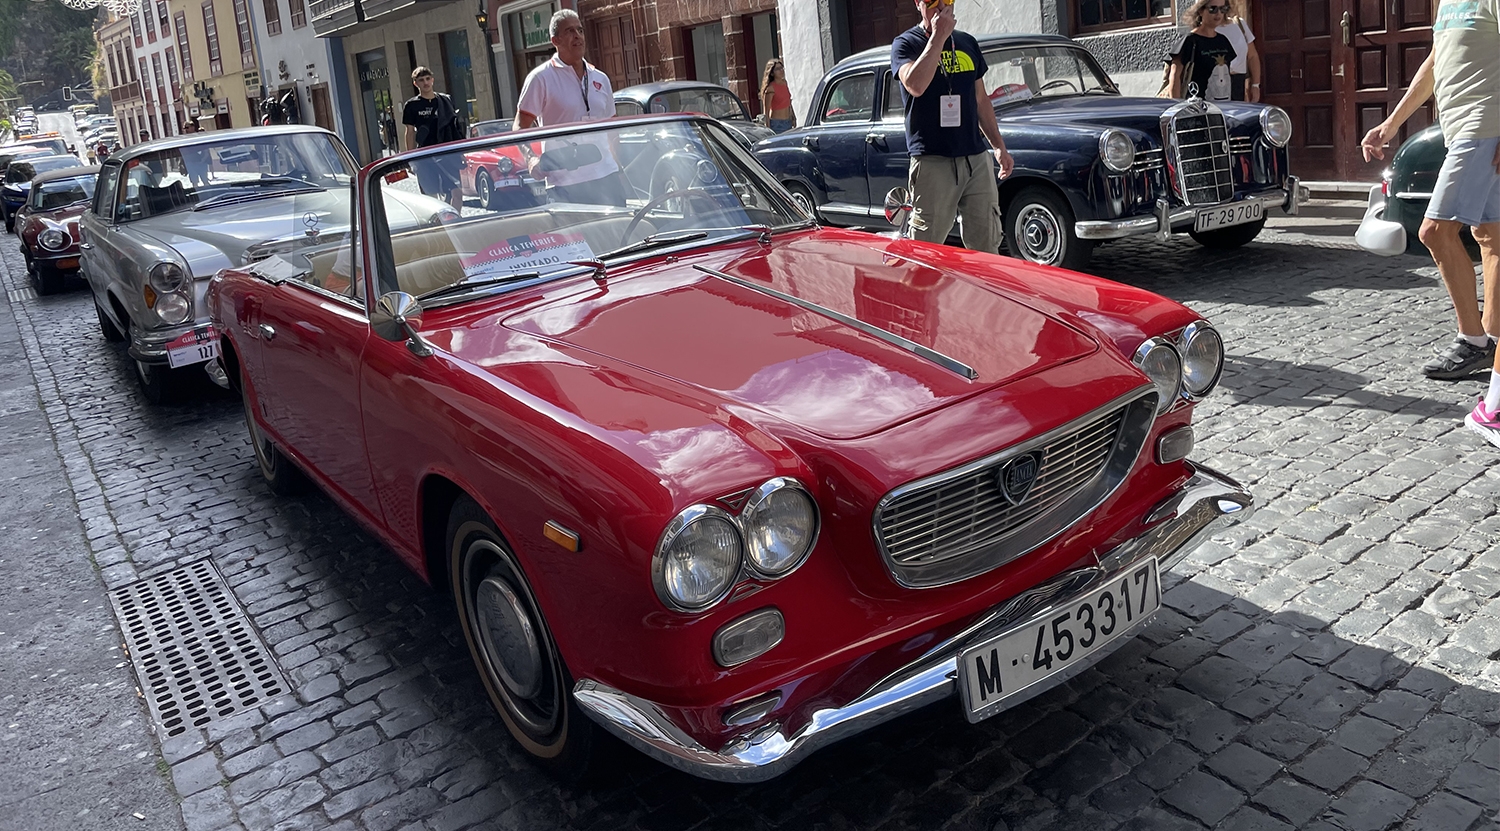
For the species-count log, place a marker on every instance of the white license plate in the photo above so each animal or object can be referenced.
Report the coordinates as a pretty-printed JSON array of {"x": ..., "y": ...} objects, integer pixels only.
[
  {"x": 1222, "y": 217},
  {"x": 195, "y": 347},
  {"x": 1005, "y": 667},
  {"x": 508, "y": 183}
]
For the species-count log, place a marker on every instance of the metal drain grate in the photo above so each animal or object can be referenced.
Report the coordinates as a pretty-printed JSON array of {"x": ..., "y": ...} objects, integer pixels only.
[
  {"x": 197, "y": 656},
  {"x": 19, "y": 295}
]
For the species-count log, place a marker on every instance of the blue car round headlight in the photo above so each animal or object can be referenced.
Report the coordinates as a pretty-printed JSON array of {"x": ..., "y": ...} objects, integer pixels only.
[
  {"x": 1276, "y": 125},
  {"x": 1116, "y": 150}
]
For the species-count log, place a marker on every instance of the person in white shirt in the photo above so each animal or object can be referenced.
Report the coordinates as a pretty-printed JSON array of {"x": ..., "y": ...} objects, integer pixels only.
[
  {"x": 568, "y": 89},
  {"x": 1244, "y": 70}
]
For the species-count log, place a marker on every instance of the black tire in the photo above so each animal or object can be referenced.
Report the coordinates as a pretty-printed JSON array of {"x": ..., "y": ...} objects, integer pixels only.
[
  {"x": 281, "y": 474},
  {"x": 107, "y": 327},
  {"x": 158, "y": 382},
  {"x": 1232, "y": 237},
  {"x": 802, "y": 196},
  {"x": 49, "y": 280},
  {"x": 512, "y": 648},
  {"x": 483, "y": 187},
  {"x": 1039, "y": 228}
]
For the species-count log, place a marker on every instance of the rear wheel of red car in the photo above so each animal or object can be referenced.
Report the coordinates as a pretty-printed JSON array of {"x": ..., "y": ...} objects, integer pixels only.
[
  {"x": 512, "y": 647},
  {"x": 1039, "y": 228},
  {"x": 283, "y": 477},
  {"x": 1232, "y": 237}
]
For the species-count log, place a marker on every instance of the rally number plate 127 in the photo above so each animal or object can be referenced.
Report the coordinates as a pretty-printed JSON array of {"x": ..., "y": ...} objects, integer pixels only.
[{"x": 1016, "y": 664}]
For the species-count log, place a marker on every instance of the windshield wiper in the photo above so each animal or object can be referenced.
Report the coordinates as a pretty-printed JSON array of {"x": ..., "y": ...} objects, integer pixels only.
[
  {"x": 468, "y": 285},
  {"x": 233, "y": 194},
  {"x": 658, "y": 240}
]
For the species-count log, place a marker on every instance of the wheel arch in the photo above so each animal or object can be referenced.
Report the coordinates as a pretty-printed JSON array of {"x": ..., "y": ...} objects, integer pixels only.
[
  {"x": 438, "y": 494},
  {"x": 230, "y": 358}
]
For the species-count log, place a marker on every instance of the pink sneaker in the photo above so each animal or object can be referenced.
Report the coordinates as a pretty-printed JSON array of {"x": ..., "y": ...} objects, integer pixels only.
[{"x": 1484, "y": 422}]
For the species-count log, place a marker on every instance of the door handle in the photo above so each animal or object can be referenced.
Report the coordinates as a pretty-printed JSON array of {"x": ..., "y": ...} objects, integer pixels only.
[
  {"x": 1340, "y": 72},
  {"x": 874, "y": 139},
  {"x": 267, "y": 332},
  {"x": 810, "y": 142},
  {"x": 1346, "y": 23}
]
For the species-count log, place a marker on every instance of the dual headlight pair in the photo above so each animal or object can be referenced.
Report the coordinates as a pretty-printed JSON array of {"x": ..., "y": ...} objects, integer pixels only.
[
  {"x": 168, "y": 293},
  {"x": 1187, "y": 366},
  {"x": 705, "y": 549}
]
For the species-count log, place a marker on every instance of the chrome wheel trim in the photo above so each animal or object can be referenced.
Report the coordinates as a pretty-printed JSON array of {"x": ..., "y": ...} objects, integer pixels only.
[
  {"x": 1039, "y": 234},
  {"x": 483, "y": 188},
  {"x": 265, "y": 454},
  {"x": 508, "y": 637},
  {"x": 541, "y": 714},
  {"x": 804, "y": 202}
]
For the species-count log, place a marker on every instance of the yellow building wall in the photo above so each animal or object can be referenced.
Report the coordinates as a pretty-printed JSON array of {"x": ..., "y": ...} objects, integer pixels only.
[{"x": 229, "y": 86}]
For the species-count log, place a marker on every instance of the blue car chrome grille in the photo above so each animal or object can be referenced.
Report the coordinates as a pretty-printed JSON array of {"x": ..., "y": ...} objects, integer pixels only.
[{"x": 1200, "y": 143}]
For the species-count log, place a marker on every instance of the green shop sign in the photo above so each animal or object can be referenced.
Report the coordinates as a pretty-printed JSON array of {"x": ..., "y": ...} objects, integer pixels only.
[{"x": 534, "y": 25}]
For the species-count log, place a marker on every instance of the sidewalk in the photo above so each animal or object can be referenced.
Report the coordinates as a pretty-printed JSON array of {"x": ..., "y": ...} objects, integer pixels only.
[{"x": 76, "y": 747}]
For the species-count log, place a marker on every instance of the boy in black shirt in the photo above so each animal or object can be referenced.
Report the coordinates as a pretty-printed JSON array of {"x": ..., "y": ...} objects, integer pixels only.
[
  {"x": 431, "y": 118},
  {"x": 950, "y": 130}
]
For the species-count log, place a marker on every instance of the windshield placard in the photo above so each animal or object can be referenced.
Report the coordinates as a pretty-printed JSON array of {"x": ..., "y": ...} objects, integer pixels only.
[{"x": 526, "y": 253}]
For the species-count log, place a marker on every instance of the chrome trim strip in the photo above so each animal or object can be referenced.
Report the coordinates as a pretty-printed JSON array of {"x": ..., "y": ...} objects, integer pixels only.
[
  {"x": 913, "y": 347},
  {"x": 1207, "y": 502},
  {"x": 1414, "y": 194},
  {"x": 1098, "y": 229}
]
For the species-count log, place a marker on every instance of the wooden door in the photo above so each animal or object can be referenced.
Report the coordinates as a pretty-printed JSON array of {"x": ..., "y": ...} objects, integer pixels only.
[
  {"x": 1338, "y": 67},
  {"x": 612, "y": 47},
  {"x": 1388, "y": 40},
  {"x": 877, "y": 23},
  {"x": 322, "y": 112}
]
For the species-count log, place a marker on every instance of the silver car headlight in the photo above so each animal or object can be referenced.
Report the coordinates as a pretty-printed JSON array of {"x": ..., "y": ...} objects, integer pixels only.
[
  {"x": 780, "y": 523},
  {"x": 53, "y": 239},
  {"x": 172, "y": 308},
  {"x": 697, "y": 559},
  {"x": 1161, "y": 363},
  {"x": 1202, "y": 359},
  {"x": 166, "y": 277},
  {"x": 1277, "y": 125},
  {"x": 1116, "y": 150}
]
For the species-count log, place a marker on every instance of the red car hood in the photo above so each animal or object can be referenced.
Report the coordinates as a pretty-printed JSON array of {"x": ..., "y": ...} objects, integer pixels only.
[{"x": 744, "y": 346}]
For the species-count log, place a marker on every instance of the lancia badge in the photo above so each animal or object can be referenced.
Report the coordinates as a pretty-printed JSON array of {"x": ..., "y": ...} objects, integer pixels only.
[{"x": 1016, "y": 476}]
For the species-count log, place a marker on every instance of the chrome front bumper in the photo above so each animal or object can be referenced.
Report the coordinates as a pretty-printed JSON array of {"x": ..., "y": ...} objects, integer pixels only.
[
  {"x": 1288, "y": 199},
  {"x": 1207, "y": 503},
  {"x": 150, "y": 347}
]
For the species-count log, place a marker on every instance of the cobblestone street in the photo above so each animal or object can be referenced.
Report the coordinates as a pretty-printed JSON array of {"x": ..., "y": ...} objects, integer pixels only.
[{"x": 1332, "y": 663}]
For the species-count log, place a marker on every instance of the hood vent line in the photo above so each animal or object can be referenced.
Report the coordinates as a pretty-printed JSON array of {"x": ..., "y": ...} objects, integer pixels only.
[{"x": 950, "y": 364}]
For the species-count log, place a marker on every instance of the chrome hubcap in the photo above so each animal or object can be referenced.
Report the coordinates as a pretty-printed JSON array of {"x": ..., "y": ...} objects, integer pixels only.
[
  {"x": 802, "y": 201},
  {"x": 1040, "y": 234},
  {"x": 483, "y": 189},
  {"x": 511, "y": 640},
  {"x": 509, "y": 637}
]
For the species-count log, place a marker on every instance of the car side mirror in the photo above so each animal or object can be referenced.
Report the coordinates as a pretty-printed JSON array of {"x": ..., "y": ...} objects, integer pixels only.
[
  {"x": 897, "y": 206},
  {"x": 397, "y": 316}
]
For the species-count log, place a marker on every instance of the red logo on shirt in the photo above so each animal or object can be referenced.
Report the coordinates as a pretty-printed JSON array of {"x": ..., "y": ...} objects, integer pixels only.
[{"x": 598, "y": 85}]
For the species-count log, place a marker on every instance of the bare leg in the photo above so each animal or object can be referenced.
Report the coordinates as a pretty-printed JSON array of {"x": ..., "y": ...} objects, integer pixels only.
[{"x": 1453, "y": 263}]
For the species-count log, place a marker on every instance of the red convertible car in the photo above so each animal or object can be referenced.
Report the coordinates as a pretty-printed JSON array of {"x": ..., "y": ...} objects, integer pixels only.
[
  {"x": 497, "y": 177},
  {"x": 48, "y": 224},
  {"x": 722, "y": 482}
]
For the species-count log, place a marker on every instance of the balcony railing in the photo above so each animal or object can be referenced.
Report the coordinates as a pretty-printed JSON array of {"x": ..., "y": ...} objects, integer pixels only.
[
  {"x": 125, "y": 92},
  {"x": 326, "y": 8}
]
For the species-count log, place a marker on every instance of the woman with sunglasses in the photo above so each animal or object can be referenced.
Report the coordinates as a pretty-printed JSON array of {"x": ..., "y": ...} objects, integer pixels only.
[
  {"x": 1244, "y": 70},
  {"x": 1200, "y": 62}
]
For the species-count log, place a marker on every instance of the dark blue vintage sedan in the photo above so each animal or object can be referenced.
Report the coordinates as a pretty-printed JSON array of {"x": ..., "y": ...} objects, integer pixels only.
[{"x": 1091, "y": 164}]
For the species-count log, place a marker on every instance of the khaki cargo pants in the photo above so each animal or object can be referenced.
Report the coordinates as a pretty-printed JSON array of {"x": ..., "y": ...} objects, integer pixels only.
[{"x": 944, "y": 188}]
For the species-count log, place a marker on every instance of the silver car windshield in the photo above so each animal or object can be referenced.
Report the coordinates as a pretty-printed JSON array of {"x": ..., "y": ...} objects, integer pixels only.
[
  {"x": 60, "y": 193},
  {"x": 203, "y": 175},
  {"x": 1022, "y": 73},
  {"x": 612, "y": 191}
]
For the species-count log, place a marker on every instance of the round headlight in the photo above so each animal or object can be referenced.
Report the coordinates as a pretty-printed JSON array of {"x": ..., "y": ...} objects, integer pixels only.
[
  {"x": 1159, "y": 360},
  {"x": 52, "y": 239},
  {"x": 172, "y": 308},
  {"x": 697, "y": 559},
  {"x": 780, "y": 523},
  {"x": 1277, "y": 125},
  {"x": 505, "y": 164},
  {"x": 1117, "y": 150},
  {"x": 1202, "y": 359},
  {"x": 166, "y": 277}
]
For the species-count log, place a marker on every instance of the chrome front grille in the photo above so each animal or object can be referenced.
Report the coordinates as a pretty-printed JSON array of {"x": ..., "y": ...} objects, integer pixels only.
[
  {"x": 959, "y": 523},
  {"x": 1198, "y": 152}
]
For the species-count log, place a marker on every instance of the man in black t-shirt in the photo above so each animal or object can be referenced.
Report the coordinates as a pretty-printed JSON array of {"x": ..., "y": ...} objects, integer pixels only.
[
  {"x": 950, "y": 130},
  {"x": 431, "y": 118}
]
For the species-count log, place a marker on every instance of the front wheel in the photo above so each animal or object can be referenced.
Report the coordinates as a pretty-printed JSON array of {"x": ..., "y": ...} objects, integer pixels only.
[
  {"x": 483, "y": 187},
  {"x": 49, "y": 280},
  {"x": 158, "y": 381},
  {"x": 512, "y": 647},
  {"x": 283, "y": 477},
  {"x": 1232, "y": 237},
  {"x": 1039, "y": 228},
  {"x": 107, "y": 327}
]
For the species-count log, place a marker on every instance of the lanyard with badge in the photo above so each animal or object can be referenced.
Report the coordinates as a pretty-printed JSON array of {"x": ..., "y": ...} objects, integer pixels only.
[
  {"x": 583, "y": 87},
  {"x": 950, "y": 112}
]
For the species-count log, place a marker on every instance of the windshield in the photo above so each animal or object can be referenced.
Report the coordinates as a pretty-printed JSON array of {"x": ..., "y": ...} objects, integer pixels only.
[
  {"x": 490, "y": 128},
  {"x": 536, "y": 207},
  {"x": 56, "y": 145},
  {"x": 1043, "y": 72},
  {"x": 60, "y": 193},
  {"x": 714, "y": 103},
  {"x": 58, "y": 163},
  {"x": 199, "y": 176}
]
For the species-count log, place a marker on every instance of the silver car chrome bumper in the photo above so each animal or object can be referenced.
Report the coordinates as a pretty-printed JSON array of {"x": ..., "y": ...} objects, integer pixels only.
[
  {"x": 150, "y": 347},
  {"x": 1288, "y": 199},
  {"x": 1207, "y": 503}
]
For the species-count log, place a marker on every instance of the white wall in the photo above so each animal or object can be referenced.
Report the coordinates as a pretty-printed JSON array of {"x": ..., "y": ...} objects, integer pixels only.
[
  {"x": 298, "y": 47},
  {"x": 802, "y": 51},
  {"x": 989, "y": 17}
]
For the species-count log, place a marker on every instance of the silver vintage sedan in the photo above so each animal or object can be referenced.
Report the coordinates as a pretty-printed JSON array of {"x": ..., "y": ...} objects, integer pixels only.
[{"x": 168, "y": 214}]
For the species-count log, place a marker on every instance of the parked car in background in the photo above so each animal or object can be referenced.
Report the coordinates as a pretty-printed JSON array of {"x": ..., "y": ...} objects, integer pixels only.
[
  {"x": 1090, "y": 164},
  {"x": 1396, "y": 206},
  {"x": 168, "y": 214},
  {"x": 498, "y": 178},
  {"x": 48, "y": 225},
  {"x": 493, "y": 127},
  {"x": 51, "y": 142},
  {"x": 11, "y": 152},
  {"x": 15, "y": 184},
  {"x": 722, "y": 482},
  {"x": 711, "y": 100}
]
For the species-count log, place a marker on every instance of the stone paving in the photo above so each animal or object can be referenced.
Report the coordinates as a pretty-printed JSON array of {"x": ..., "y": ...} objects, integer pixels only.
[{"x": 1334, "y": 663}]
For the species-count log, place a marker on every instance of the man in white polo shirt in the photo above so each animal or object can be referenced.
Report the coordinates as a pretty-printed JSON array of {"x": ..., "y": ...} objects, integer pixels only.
[{"x": 564, "y": 90}]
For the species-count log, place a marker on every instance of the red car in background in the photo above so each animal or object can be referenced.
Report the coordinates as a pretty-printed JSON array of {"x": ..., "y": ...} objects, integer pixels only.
[
  {"x": 717, "y": 480},
  {"x": 48, "y": 224}
]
